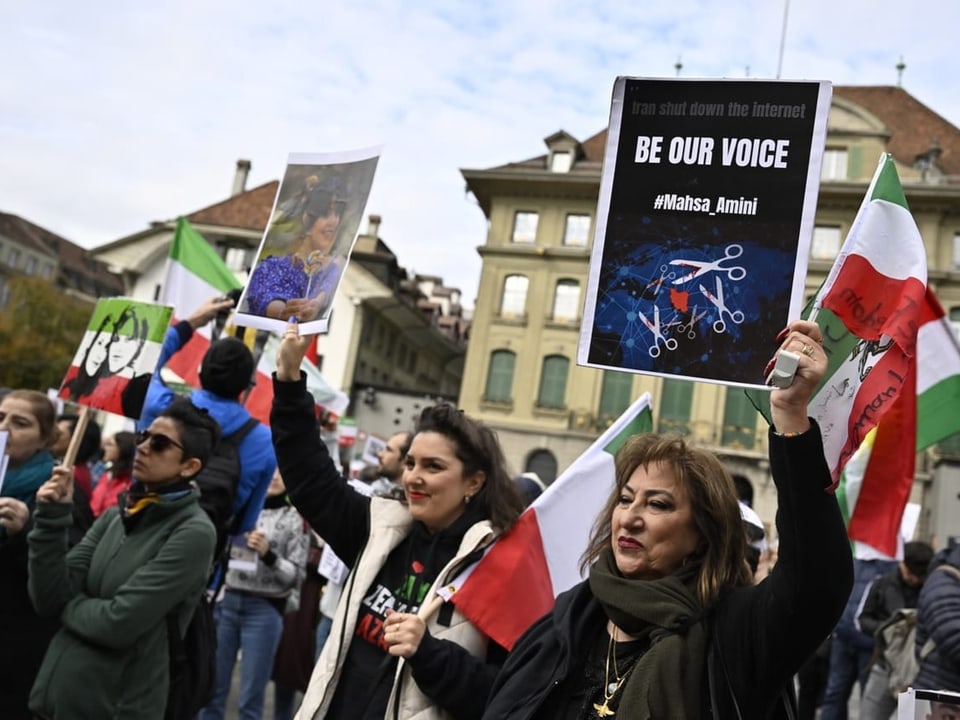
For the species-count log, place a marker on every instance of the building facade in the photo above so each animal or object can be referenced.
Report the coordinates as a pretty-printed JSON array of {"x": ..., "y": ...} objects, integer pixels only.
[
  {"x": 521, "y": 375},
  {"x": 385, "y": 332}
]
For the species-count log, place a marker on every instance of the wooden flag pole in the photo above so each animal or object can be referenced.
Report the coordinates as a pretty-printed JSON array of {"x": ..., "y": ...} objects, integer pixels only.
[{"x": 82, "y": 421}]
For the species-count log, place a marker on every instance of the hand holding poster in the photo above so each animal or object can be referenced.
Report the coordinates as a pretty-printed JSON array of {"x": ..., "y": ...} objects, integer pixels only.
[
  {"x": 308, "y": 241},
  {"x": 117, "y": 356},
  {"x": 705, "y": 212}
]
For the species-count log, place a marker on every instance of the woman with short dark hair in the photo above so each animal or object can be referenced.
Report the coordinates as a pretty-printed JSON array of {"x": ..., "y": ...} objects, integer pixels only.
[{"x": 144, "y": 559}]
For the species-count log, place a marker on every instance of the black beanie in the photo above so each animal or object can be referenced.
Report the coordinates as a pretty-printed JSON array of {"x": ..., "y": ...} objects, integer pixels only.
[{"x": 227, "y": 368}]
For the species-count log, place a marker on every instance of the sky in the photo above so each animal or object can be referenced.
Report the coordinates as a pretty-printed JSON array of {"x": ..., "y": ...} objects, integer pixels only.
[{"x": 113, "y": 115}]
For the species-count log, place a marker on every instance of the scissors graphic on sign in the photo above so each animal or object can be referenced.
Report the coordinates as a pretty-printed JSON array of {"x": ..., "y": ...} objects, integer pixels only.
[
  {"x": 735, "y": 272},
  {"x": 690, "y": 328},
  {"x": 736, "y": 316},
  {"x": 658, "y": 336},
  {"x": 664, "y": 275}
]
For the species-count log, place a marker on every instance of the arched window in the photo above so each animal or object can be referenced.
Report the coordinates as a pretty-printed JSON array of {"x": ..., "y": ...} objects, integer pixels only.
[
  {"x": 553, "y": 382},
  {"x": 514, "y": 300},
  {"x": 500, "y": 376},
  {"x": 566, "y": 300},
  {"x": 544, "y": 464}
]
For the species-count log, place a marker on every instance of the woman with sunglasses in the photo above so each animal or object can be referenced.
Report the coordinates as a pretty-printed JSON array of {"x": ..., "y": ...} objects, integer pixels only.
[
  {"x": 145, "y": 559},
  {"x": 396, "y": 649}
]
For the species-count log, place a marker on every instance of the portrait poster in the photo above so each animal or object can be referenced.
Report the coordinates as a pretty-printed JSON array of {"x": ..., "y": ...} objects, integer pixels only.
[
  {"x": 117, "y": 356},
  {"x": 308, "y": 241},
  {"x": 704, "y": 219},
  {"x": 372, "y": 449},
  {"x": 916, "y": 704}
]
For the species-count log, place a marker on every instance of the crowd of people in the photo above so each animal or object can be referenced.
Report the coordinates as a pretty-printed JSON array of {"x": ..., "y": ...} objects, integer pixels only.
[{"x": 685, "y": 610}]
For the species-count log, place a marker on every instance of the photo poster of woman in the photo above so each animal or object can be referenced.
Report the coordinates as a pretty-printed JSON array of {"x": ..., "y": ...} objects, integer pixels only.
[
  {"x": 308, "y": 241},
  {"x": 704, "y": 222},
  {"x": 117, "y": 356},
  {"x": 919, "y": 704}
]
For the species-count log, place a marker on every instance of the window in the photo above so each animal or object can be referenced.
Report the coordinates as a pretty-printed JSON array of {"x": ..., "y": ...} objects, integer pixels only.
[
  {"x": 676, "y": 399},
  {"x": 514, "y": 300},
  {"x": 615, "y": 394},
  {"x": 544, "y": 464},
  {"x": 834, "y": 164},
  {"x": 500, "y": 376},
  {"x": 13, "y": 257},
  {"x": 566, "y": 300},
  {"x": 739, "y": 420},
  {"x": 956, "y": 251},
  {"x": 525, "y": 227},
  {"x": 31, "y": 267},
  {"x": 577, "y": 230},
  {"x": 561, "y": 162},
  {"x": 955, "y": 319},
  {"x": 553, "y": 382},
  {"x": 238, "y": 259},
  {"x": 47, "y": 271},
  {"x": 826, "y": 242}
]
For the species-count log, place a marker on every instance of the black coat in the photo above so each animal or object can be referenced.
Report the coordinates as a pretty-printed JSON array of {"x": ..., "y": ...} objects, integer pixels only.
[
  {"x": 760, "y": 635},
  {"x": 888, "y": 594},
  {"x": 938, "y": 618}
]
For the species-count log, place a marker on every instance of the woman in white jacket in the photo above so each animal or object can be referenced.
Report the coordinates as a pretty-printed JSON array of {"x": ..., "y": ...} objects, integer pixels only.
[{"x": 383, "y": 659}]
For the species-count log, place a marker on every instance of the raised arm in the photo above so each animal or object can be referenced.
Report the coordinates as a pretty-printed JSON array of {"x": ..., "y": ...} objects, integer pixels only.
[{"x": 334, "y": 510}]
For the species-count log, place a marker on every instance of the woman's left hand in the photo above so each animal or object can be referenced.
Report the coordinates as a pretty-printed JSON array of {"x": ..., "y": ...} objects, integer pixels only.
[
  {"x": 59, "y": 488},
  {"x": 788, "y": 406},
  {"x": 403, "y": 633},
  {"x": 14, "y": 515}
]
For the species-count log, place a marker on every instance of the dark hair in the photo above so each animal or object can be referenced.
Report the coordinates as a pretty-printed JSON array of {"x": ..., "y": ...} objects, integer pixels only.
[
  {"x": 199, "y": 433},
  {"x": 917, "y": 556},
  {"x": 721, "y": 552},
  {"x": 477, "y": 448},
  {"x": 42, "y": 410},
  {"x": 126, "y": 449},
  {"x": 90, "y": 442},
  {"x": 744, "y": 489}
]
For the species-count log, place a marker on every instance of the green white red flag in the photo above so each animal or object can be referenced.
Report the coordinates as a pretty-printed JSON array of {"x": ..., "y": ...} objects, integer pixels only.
[
  {"x": 540, "y": 556},
  {"x": 876, "y": 484},
  {"x": 876, "y": 291},
  {"x": 195, "y": 273}
]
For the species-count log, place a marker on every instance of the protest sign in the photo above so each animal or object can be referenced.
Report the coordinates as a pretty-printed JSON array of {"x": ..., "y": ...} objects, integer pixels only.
[
  {"x": 117, "y": 356},
  {"x": 705, "y": 214},
  {"x": 308, "y": 241}
]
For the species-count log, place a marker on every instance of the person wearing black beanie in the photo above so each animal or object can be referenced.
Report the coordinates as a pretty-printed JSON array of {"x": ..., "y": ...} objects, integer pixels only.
[{"x": 227, "y": 368}]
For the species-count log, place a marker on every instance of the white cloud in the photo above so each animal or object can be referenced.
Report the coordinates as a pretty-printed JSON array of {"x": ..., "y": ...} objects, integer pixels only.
[{"x": 113, "y": 116}]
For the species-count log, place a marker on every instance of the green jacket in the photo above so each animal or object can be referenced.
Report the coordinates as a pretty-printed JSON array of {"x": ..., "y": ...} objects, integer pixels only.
[{"x": 113, "y": 592}]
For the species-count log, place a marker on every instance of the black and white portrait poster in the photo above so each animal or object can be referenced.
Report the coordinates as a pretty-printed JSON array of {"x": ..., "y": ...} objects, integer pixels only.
[{"x": 704, "y": 220}]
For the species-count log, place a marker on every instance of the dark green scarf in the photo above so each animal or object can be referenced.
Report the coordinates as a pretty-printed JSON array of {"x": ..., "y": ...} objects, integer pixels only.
[{"x": 665, "y": 683}]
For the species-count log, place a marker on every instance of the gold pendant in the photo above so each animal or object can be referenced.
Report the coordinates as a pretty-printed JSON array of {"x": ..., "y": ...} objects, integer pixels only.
[{"x": 603, "y": 710}]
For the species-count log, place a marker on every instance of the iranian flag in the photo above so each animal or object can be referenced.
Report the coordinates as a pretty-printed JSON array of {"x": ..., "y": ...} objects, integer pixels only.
[
  {"x": 540, "y": 556},
  {"x": 195, "y": 273},
  {"x": 876, "y": 294},
  {"x": 876, "y": 483}
]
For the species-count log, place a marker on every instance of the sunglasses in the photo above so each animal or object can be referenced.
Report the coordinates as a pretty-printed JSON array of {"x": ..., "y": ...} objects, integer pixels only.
[{"x": 158, "y": 443}]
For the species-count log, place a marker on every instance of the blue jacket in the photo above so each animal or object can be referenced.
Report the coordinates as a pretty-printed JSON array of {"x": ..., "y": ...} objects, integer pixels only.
[
  {"x": 257, "y": 460},
  {"x": 938, "y": 618}
]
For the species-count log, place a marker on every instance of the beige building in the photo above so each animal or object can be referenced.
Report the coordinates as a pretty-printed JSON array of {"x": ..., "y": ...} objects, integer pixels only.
[{"x": 521, "y": 374}]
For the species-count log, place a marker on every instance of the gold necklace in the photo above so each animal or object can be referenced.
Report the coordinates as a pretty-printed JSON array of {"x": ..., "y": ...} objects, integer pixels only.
[{"x": 610, "y": 688}]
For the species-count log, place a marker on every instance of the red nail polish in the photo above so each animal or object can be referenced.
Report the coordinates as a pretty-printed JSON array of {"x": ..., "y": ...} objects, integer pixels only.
[
  {"x": 783, "y": 334},
  {"x": 769, "y": 367}
]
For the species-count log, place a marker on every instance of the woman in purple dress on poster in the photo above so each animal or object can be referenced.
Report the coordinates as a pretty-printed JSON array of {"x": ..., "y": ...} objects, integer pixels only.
[{"x": 301, "y": 283}]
